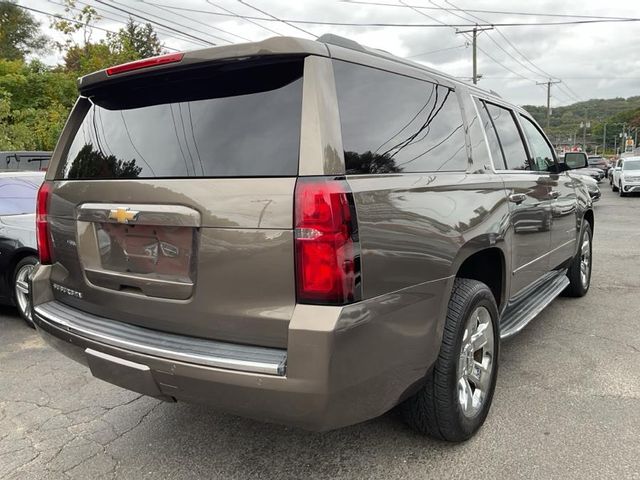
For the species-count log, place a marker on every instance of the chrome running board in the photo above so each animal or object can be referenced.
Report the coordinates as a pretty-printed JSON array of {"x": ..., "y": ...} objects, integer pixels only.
[{"x": 527, "y": 305}]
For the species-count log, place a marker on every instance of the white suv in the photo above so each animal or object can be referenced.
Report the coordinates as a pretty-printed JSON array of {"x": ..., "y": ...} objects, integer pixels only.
[{"x": 626, "y": 176}]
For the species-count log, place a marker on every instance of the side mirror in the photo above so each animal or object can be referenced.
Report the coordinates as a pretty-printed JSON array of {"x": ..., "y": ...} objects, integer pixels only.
[{"x": 575, "y": 160}]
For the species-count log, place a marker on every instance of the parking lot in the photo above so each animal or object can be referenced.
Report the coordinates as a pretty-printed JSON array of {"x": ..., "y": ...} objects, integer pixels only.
[{"x": 567, "y": 405}]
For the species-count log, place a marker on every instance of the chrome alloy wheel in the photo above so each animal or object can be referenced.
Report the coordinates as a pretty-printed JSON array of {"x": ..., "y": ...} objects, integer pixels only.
[
  {"x": 585, "y": 260},
  {"x": 23, "y": 299},
  {"x": 475, "y": 365}
]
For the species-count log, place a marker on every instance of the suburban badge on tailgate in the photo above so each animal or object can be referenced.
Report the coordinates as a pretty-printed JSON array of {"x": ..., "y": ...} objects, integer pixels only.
[
  {"x": 123, "y": 215},
  {"x": 65, "y": 290}
]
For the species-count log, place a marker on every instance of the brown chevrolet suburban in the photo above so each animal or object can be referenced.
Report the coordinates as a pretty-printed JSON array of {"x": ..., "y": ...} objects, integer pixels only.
[{"x": 305, "y": 232}]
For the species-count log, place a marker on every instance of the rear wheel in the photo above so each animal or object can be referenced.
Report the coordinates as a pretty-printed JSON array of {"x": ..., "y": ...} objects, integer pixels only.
[
  {"x": 614, "y": 188},
  {"x": 579, "y": 272},
  {"x": 456, "y": 398},
  {"x": 21, "y": 288}
]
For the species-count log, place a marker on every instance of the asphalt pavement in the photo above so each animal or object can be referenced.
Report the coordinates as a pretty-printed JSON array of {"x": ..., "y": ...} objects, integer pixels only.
[{"x": 567, "y": 405}]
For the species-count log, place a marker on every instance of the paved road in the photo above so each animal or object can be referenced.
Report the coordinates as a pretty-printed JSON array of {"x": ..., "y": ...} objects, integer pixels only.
[{"x": 567, "y": 405}]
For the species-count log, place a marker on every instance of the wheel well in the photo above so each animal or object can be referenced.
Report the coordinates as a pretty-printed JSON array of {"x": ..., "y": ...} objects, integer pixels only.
[
  {"x": 486, "y": 266},
  {"x": 588, "y": 216}
]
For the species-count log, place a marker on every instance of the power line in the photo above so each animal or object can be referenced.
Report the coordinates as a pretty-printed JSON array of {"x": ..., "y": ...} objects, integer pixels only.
[
  {"x": 102, "y": 15},
  {"x": 278, "y": 19},
  {"x": 488, "y": 34},
  {"x": 242, "y": 18},
  {"x": 155, "y": 22},
  {"x": 407, "y": 25},
  {"x": 188, "y": 27},
  {"x": 500, "y": 12},
  {"x": 195, "y": 21},
  {"x": 73, "y": 20},
  {"x": 466, "y": 35},
  {"x": 438, "y": 51},
  {"x": 561, "y": 87}
]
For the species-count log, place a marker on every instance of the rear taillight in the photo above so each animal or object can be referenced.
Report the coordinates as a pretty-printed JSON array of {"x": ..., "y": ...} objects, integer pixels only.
[
  {"x": 145, "y": 63},
  {"x": 326, "y": 242},
  {"x": 43, "y": 236}
]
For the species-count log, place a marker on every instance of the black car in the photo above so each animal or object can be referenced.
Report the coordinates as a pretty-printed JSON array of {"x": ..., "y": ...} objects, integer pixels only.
[
  {"x": 24, "y": 160},
  {"x": 18, "y": 251}
]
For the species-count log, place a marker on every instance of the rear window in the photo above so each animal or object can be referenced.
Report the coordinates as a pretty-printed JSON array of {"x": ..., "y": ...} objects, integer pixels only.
[
  {"x": 18, "y": 194},
  {"x": 235, "y": 120},
  {"x": 24, "y": 160},
  {"x": 392, "y": 123}
]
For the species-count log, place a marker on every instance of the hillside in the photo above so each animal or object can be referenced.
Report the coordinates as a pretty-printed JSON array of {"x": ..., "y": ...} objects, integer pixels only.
[{"x": 565, "y": 121}]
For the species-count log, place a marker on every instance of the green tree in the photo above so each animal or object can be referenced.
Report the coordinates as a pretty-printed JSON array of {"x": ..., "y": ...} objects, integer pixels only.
[
  {"x": 34, "y": 104},
  {"x": 19, "y": 32},
  {"x": 132, "y": 42},
  {"x": 135, "y": 41}
]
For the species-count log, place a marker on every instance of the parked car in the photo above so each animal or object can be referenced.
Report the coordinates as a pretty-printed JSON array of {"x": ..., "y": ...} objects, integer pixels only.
[
  {"x": 626, "y": 176},
  {"x": 599, "y": 162},
  {"x": 24, "y": 160},
  {"x": 305, "y": 232},
  {"x": 594, "y": 172},
  {"x": 18, "y": 251}
]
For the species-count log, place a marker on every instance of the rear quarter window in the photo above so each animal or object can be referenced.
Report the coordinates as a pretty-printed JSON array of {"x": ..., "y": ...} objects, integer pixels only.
[
  {"x": 224, "y": 121},
  {"x": 392, "y": 123}
]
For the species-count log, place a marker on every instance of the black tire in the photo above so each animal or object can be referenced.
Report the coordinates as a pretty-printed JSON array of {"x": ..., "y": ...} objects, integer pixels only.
[
  {"x": 577, "y": 286},
  {"x": 435, "y": 410},
  {"x": 24, "y": 309},
  {"x": 622, "y": 194},
  {"x": 613, "y": 187}
]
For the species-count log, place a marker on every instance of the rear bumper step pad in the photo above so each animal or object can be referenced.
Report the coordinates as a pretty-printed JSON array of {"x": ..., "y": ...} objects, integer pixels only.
[{"x": 194, "y": 350}]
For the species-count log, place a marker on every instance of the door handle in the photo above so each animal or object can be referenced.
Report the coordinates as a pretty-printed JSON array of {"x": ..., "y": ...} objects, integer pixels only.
[
  {"x": 517, "y": 197},
  {"x": 554, "y": 195}
]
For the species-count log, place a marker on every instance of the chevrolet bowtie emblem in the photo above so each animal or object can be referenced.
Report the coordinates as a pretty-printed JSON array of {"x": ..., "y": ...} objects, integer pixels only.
[{"x": 123, "y": 215}]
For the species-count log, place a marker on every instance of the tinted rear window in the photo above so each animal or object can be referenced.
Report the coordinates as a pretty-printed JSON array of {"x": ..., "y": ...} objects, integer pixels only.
[
  {"x": 392, "y": 123},
  {"x": 18, "y": 194},
  {"x": 228, "y": 121}
]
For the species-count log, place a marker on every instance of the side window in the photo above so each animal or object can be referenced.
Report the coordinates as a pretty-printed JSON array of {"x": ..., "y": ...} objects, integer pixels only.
[
  {"x": 392, "y": 123},
  {"x": 492, "y": 137},
  {"x": 541, "y": 152},
  {"x": 510, "y": 140}
]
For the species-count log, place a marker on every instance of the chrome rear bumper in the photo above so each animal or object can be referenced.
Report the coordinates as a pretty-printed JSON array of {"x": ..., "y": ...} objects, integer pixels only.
[{"x": 194, "y": 350}]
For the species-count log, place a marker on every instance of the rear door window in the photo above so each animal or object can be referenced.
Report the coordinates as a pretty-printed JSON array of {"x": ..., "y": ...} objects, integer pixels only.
[
  {"x": 392, "y": 123},
  {"x": 511, "y": 142},
  {"x": 225, "y": 121}
]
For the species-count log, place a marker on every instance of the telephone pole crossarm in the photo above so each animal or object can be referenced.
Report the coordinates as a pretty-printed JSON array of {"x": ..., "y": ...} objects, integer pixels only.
[{"x": 474, "y": 31}]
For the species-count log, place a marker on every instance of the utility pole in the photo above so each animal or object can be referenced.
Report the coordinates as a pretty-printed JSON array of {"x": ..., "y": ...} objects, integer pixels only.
[
  {"x": 584, "y": 125},
  {"x": 548, "y": 84},
  {"x": 474, "y": 31},
  {"x": 604, "y": 139}
]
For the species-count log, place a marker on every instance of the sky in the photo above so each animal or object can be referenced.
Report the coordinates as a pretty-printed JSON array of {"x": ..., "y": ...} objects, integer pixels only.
[{"x": 596, "y": 60}]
